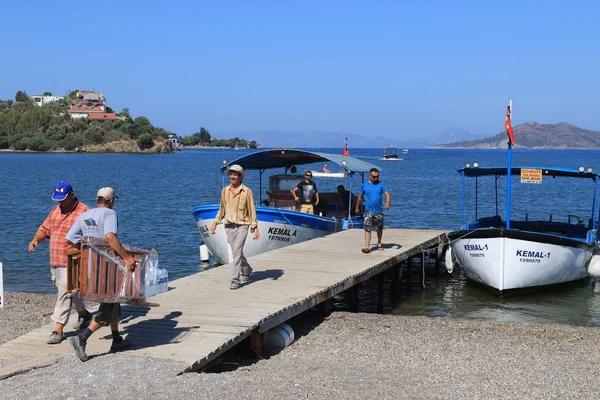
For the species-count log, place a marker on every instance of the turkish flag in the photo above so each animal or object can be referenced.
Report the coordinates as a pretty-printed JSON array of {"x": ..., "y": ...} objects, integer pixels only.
[{"x": 508, "y": 127}]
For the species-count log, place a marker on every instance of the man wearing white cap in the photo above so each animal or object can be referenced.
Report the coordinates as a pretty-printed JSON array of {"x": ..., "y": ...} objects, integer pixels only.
[
  {"x": 101, "y": 222},
  {"x": 238, "y": 213}
]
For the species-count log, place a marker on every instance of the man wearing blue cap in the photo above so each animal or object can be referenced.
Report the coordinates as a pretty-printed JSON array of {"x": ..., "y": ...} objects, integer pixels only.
[{"x": 55, "y": 227}]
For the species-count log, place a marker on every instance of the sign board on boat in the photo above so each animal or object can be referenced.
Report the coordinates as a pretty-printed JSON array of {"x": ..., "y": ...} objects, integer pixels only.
[
  {"x": 1, "y": 287},
  {"x": 531, "y": 175}
]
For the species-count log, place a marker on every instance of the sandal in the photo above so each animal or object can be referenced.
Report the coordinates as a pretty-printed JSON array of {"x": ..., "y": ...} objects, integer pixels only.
[
  {"x": 379, "y": 247},
  {"x": 366, "y": 250}
]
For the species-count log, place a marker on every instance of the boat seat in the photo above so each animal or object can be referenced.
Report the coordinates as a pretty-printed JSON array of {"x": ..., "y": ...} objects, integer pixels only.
[
  {"x": 554, "y": 228},
  {"x": 283, "y": 200},
  {"x": 487, "y": 222}
]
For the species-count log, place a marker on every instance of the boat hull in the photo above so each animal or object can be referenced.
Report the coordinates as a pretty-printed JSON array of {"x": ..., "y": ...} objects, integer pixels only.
[
  {"x": 506, "y": 259},
  {"x": 278, "y": 228}
]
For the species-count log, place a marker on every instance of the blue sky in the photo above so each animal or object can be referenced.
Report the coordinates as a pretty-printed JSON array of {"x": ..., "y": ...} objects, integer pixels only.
[{"x": 401, "y": 69}]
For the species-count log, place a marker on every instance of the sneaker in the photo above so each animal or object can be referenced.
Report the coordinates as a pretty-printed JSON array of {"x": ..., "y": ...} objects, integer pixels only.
[
  {"x": 55, "y": 338},
  {"x": 79, "y": 346},
  {"x": 234, "y": 285},
  {"x": 244, "y": 279},
  {"x": 83, "y": 322},
  {"x": 120, "y": 345}
]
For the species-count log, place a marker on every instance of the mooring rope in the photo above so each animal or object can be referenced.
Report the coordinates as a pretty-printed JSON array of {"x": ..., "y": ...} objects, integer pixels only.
[{"x": 444, "y": 241}]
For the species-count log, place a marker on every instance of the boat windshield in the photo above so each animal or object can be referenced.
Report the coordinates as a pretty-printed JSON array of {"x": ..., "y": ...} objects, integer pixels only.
[{"x": 281, "y": 183}]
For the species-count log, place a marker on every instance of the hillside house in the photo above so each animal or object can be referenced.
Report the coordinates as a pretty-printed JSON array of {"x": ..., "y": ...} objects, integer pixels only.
[{"x": 41, "y": 100}]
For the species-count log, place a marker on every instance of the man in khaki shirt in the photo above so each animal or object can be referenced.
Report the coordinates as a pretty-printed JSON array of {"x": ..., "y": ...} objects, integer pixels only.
[{"x": 238, "y": 213}]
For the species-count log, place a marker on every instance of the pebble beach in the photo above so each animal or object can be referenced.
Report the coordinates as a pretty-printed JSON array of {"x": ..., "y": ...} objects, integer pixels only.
[{"x": 367, "y": 356}]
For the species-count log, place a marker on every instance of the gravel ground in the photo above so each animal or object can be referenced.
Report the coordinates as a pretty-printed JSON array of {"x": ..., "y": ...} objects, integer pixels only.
[
  {"x": 24, "y": 312},
  {"x": 365, "y": 356}
]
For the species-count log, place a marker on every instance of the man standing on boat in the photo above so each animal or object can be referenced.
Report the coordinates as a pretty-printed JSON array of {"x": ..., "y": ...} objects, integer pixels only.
[
  {"x": 238, "y": 213},
  {"x": 55, "y": 227},
  {"x": 372, "y": 192},
  {"x": 310, "y": 194}
]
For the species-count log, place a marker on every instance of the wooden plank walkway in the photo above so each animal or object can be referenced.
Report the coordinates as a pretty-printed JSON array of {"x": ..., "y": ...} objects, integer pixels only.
[{"x": 200, "y": 318}]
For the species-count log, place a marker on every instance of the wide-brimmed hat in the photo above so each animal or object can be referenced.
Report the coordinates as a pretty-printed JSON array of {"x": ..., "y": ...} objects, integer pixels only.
[
  {"x": 237, "y": 168},
  {"x": 106, "y": 193},
  {"x": 61, "y": 191}
]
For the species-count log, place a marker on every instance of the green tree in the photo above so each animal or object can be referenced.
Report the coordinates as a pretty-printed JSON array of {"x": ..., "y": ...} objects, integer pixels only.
[
  {"x": 21, "y": 96},
  {"x": 115, "y": 135},
  {"x": 125, "y": 113},
  {"x": 94, "y": 134},
  {"x": 141, "y": 121},
  {"x": 204, "y": 135},
  {"x": 145, "y": 141},
  {"x": 56, "y": 132},
  {"x": 47, "y": 94}
]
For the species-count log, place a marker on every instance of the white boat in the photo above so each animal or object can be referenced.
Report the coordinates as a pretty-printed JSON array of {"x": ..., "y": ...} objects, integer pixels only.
[
  {"x": 390, "y": 154},
  {"x": 279, "y": 223},
  {"x": 514, "y": 255},
  {"x": 522, "y": 254}
]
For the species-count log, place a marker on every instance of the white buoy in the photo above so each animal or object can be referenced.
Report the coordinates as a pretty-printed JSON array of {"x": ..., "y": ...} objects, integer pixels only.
[
  {"x": 204, "y": 253},
  {"x": 448, "y": 260},
  {"x": 594, "y": 266},
  {"x": 279, "y": 337}
]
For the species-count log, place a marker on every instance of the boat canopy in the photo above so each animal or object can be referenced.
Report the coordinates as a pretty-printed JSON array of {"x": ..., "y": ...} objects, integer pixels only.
[
  {"x": 552, "y": 171},
  {"x": 286, "y": 158}
]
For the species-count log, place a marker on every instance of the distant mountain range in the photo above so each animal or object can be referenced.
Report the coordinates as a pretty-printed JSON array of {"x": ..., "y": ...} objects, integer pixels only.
[
  {"x": 532, "y": 135},
  {"x": 318, "y": 139}
]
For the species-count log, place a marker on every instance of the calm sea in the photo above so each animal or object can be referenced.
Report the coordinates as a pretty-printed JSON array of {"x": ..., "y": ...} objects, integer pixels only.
[{"x": 158, "y": 192}]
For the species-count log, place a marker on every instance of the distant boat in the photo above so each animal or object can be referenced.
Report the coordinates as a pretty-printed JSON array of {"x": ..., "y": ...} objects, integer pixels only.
[
  {"x": 404, "y": 151},
  {"x": 390, "y": 154}
]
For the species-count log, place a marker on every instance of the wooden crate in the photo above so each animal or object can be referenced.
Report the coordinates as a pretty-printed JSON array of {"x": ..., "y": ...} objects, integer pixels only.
[{"x": 95, "y": 274}]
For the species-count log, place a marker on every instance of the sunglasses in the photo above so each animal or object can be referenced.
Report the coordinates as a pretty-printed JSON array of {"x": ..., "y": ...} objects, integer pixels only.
[
  {"x": 375, "y": 176},
  {"x": 308, "y": 175}
]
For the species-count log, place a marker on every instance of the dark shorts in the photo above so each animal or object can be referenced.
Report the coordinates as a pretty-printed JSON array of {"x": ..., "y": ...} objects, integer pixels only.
[
  {"x": 107, "y": 312},
  {"x": 372, "y": 221}
]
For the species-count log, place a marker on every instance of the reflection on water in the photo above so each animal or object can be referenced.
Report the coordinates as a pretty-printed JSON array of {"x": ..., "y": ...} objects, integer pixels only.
[{"x": 453, "y": 296}]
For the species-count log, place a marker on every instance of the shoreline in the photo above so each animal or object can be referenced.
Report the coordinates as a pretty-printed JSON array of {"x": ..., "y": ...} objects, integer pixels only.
[{"x": 344, "y": 355}]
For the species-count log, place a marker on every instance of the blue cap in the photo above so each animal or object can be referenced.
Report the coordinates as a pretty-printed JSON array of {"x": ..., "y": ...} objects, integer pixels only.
[{"x": 61, "y": 191}]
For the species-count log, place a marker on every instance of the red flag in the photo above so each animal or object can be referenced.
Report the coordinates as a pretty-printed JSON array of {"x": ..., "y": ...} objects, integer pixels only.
[{"x": 508, "y": 127}]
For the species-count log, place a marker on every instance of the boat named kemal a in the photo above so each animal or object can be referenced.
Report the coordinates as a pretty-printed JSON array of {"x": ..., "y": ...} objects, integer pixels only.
[{"x": 279, "y": 221}]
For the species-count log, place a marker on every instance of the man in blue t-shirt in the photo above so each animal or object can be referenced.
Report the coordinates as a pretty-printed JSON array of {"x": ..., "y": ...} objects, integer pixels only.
[{"x": 372, "y": 192}]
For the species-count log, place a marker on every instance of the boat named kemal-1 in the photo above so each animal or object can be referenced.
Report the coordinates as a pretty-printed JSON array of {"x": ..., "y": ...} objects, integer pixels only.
[
  {"x": 526, "y": 253},
  {"x": 519, "y": 253}
]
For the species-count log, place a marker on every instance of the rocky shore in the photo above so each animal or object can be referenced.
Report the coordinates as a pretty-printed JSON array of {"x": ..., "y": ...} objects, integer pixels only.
[{"x": 366, "y": 356}]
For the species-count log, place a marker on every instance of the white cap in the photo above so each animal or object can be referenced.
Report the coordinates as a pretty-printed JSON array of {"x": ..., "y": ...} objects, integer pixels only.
[
  {"x": 107, "y": 193},
  {"x": 238, "y": 169}
]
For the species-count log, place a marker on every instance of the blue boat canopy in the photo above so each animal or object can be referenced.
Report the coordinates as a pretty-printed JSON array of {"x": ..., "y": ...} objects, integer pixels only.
[
  {"x": 285, "y": 158},
  {"x": 551, "y": 171}
]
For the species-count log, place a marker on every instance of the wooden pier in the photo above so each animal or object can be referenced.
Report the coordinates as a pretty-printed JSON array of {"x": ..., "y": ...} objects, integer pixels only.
[{"x": 200, "y": 318}]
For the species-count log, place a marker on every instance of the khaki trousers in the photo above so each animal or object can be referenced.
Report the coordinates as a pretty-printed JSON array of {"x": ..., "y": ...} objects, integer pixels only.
[
  {"x": 236, "y": 237},
  {"x": 64, "y": 301},
  {"x": 307, "y": 208}
]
